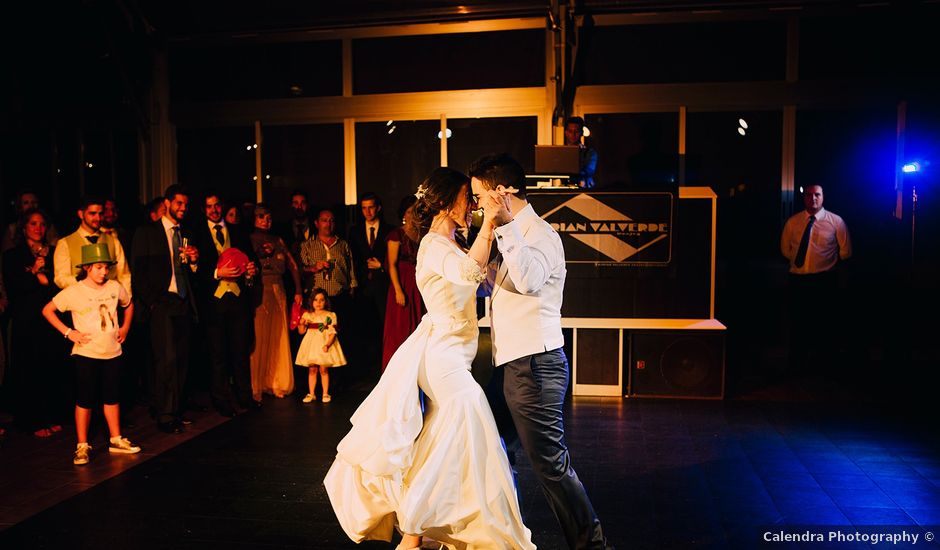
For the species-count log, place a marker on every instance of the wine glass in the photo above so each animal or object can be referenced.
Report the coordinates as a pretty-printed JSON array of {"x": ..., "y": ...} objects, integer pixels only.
[{"x": 41, "y": 250}]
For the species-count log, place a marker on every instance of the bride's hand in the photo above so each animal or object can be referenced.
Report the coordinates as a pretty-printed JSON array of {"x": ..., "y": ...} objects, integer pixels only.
[{"x": 496, "y": 207}]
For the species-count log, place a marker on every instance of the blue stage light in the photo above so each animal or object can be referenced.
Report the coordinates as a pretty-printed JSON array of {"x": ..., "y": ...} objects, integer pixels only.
[{"x": 911, "y": 167}]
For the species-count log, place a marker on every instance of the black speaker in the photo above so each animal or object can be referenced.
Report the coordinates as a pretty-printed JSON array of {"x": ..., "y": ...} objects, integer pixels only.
[{"x": 678, "y": 363}]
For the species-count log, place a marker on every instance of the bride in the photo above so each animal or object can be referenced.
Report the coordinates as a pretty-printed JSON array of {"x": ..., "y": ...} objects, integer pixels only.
[{"x": 441, "y": 473}]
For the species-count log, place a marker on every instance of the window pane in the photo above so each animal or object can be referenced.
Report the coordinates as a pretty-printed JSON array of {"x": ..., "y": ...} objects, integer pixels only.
[
  {"x": 307, "y": 157},
  {"x": 744, "y": 171},
  {"x": 64, "y": 199},
  {"x": 472, "y": 138},
  {"x": 256, "y": 71},
  {"x": 880, "y": 43},
  {"x": 28, "y": 163},
  {"x": 127, "y": 176},
  {"x": 851, "y": 153},
  {"x": 97, "y": 167},
  {"x": 392, "y": 160},
  {"x": 635, "y": 149},
  {"x": 220, "y": 159},
  {"x": 689, "y": 52},
  {"x": 505, "y": 59}
]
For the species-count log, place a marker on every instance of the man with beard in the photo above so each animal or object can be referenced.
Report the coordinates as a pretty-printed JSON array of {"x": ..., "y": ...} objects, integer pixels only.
[
  {"x": 225, "y": 306},
  {"x": 68, "y": 251},
  {"x": 300, "y": 228},
  {"x": 165, "y": 262}
]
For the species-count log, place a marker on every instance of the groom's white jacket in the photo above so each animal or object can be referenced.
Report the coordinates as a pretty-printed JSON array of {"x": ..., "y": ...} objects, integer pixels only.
[{"x": 526, "y": 288}]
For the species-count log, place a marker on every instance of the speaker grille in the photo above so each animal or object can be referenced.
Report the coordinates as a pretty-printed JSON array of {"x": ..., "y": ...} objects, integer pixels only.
[
  {"x": 677, "y": 364},
  {"x": 686, "y": 363}
]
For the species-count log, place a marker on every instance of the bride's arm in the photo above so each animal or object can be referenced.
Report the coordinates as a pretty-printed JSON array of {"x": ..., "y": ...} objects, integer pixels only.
[
  {"x": 480, "y": 250},
  {"x": 464, "y": 269}
]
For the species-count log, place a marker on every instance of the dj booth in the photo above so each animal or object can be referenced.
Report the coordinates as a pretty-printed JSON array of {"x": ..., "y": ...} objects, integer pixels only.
[{"x": 639, "y": 302}]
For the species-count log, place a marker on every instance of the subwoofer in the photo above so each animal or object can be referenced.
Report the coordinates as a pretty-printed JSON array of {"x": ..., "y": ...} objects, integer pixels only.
[{"x": 684, "y": 364}]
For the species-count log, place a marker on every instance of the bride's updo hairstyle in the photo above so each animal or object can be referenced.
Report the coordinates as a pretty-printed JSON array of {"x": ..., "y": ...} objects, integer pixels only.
[{"x": 437, "y": 193}]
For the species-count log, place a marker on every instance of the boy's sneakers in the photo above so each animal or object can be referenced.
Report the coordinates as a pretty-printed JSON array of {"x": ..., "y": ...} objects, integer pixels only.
[
  {"x": 81, "y": 454},
  {"x": 309, "y": 398},
  {"x": 122, "y": 445}
]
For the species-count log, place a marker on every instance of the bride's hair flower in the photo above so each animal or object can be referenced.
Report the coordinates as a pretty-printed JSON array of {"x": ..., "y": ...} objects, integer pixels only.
[{"x": 419, "y": 194}]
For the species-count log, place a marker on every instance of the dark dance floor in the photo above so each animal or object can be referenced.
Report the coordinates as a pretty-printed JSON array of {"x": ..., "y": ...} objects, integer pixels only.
[{"x": 661, "y": 473}]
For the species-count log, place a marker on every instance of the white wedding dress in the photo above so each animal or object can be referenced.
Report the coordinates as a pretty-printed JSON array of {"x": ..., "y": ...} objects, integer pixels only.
[{"x": 443, "y": 473}]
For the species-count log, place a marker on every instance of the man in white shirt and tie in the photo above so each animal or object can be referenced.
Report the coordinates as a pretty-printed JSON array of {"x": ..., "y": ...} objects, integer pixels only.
[
  {"x": 815, "y": 242},
  {"x": 526, "y": 298},
  {"x": 165, "y": 264},
  {"x": 369, "y": 250}
]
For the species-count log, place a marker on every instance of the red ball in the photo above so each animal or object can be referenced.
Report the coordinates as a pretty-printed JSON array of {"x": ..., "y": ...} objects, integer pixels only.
[{"x": 233, "y": 256}]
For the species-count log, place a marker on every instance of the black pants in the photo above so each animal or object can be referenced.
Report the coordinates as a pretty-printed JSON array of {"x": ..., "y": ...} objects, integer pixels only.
[
  {"x": 535, "y": 388},
  {"x": 814, "y": 347},
  {"x": 229, "y": 336},
  {"x": 371, "y": 298},
  {"x": 97, "y": 380},
  {"x": 171, "y": 322}
]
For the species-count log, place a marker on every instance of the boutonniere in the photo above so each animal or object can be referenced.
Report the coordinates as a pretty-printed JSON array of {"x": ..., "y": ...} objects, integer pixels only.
[{"x": 323, "y": 326}]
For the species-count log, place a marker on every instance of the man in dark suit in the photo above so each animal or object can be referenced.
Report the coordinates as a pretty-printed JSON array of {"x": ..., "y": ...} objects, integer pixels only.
[
  {"x": 300, "y": 227},
  {"x": 226, "y": 297},
  {"x": 295, "y": 232},
  {"x": 165, "y": 261},
  {"x": 367, "y": 242}
]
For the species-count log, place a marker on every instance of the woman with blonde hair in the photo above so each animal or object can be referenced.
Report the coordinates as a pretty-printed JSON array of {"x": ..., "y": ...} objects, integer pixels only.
[{"x": 272, "y": 369}]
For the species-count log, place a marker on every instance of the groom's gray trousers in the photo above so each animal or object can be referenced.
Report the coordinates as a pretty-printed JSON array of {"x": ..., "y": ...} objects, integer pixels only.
[{"x": 535, "y": 387}]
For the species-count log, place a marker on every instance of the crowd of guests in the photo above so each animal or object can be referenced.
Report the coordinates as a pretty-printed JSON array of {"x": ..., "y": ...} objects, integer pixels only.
[{"x": 203, "y": 303}]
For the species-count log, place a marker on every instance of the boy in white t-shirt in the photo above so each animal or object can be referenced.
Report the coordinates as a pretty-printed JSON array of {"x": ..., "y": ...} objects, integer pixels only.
[{"x": 94, "y": 304}]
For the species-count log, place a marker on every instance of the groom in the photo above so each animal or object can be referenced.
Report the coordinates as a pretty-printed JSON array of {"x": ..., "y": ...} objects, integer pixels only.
[{"x": 525, "y": 321}]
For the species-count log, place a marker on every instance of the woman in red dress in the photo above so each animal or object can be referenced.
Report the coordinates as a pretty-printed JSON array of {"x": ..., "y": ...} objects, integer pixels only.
[{"x": 404, "y": 308}]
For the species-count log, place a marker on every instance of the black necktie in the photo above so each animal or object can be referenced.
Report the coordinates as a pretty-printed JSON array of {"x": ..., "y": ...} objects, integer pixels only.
[
  {"x": 177, "y": 262},
  {"x": 219, "y": 236},
  {"x": 804, "y": 243},
  {"x": 92, "y": 238},
  {"x": 371, "y": 236}
]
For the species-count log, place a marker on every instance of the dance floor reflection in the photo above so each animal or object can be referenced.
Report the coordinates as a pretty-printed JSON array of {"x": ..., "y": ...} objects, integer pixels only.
[{"x": 661, "y": 474}]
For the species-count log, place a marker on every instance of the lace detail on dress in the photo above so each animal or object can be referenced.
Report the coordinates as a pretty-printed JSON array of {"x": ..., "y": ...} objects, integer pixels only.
[{"x": 470, "y": 270}]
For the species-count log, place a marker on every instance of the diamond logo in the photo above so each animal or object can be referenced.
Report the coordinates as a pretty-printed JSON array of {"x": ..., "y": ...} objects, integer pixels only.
[{"x": 611, "y": 228}]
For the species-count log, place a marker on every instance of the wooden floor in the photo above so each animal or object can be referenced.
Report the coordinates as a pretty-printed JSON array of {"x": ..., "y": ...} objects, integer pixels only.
[{"x": 661, "y": 474}]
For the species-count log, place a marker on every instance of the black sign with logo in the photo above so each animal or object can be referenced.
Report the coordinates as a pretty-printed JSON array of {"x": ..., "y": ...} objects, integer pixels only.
[
  {"x": 631, "y": 254},
  {"x": 610, "y": 229}
]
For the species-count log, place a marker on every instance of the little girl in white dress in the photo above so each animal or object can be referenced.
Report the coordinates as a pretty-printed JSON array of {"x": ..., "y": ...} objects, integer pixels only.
[{"x": 319, "y": 350}]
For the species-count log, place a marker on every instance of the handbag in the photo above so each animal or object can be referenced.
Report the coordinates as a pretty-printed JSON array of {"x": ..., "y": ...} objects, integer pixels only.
[{"x": 296, "y": 310}]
